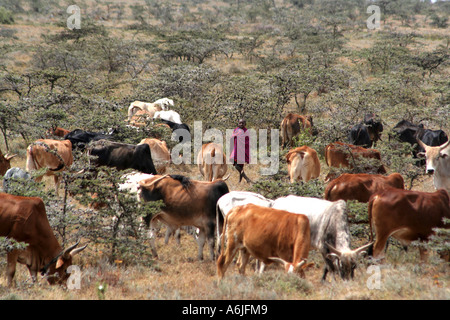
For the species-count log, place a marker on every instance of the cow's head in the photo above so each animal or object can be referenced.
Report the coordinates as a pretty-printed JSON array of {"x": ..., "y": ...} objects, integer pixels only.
[
  {"x": 5, "y": 162},
  {"x": 436, "y": 157},
  {"x": 346, "y": 261},
  {"x": 148, "y": 190},
  {"x": 56, "y": 270}
]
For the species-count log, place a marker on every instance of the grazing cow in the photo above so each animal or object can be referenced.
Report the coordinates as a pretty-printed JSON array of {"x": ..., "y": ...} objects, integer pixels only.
[
  {"x": 186, "y": 203},
  {"x": 359, "y": 136},
  {"x": 158, "y": 105},
  {"x": 81, "y": 138},
  {"x": 168, "y": 115},
  {"x": 55, "y": 155},
  {"x": 438, "y": 164},
  {"x": 303, "y": 164},
  {"x": 122, "y": 156},
  {"x": 5, "y": 162},
  {"x": 407, "y": 216},
  {"x": 14, "y": 174},
  {"x": 374, "y": 127},
  {"x": 211, "y": 162},
  {"x": 360, "y": 186},
  {"x": 268, "y": 235},
  {"x": 292, "y": 125},
  {"x": 24, "y": 219},
  {"x": 330, "y": 233},
  {"x": 160, "y": 154},
  {"x": 340, "y": 154}
]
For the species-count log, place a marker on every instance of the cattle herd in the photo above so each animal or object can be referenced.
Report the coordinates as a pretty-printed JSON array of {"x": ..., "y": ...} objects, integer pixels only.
[{"x": 282, "y": 230}]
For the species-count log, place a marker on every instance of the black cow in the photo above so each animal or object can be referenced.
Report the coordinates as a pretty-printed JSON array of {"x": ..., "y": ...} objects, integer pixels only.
[
  {"x": 406, "y": 131},
  {"x": 359, "y": 136},
  {"x": 374, "y": 127},
  {"x": 180, "y": 130},
  {"x": 80, "y": 138},
  {"x": 122, "y": 156}
]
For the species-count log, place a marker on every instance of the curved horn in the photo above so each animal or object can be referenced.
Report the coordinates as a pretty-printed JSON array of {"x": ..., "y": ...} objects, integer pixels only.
[
  {"x": 77, "y": 250},
  {"x": 333, "y": 249},
  {"x": 276, "y": 259},
  {"x": 226, "y": 178},
  {"x": 9, "y": 157},
  {"x": 442, "y": 147},
  {"x": 363, "y": 248},
  {"x": 67, "y": 251},
  {"x": 423, "y": 145}
]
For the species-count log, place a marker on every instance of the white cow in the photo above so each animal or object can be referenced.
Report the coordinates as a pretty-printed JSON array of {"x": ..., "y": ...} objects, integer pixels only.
[
  {"x": 438, "y": 164},
  {"x": 168, "y": 115},
  {"x": 237, "y": 198},
  {"x": 149, "y": 107},
  {"x": 330, "y": 232}
]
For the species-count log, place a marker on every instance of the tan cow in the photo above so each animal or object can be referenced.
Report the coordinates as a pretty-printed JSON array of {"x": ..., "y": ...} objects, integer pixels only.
[
  {"x": 160, "y": 154},
  {"x": 150, "y": 107},
  {"x": 212, "y": 162},
  {"x": 52, "y": 154},
  {"x": 303, "y": 164},
  {"x": 268, "y": 235},
  {"x": 292, "y": 125},
  {"x": 24, "y": 219}
]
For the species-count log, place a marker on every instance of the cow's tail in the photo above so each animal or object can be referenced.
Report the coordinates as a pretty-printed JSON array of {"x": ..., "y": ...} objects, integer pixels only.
[
  {"x": 369, "y": 213},
  {"x": 284, "y": 134},
  {"x": 209, "y": 156},
  {"x": 224, "y": 229}
]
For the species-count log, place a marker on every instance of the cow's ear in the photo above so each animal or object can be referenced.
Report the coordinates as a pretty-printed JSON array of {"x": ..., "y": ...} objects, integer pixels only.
[
  {"x": 59, "y": 263},
  {"x": 421, "y": 154},
  {"x": 443, "y": 155}
]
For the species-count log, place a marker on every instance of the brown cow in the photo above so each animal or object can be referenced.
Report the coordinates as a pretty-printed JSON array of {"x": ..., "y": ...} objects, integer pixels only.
[
  {"x": 291, "y": 126},
  {"x": 360, "y": 186},
  {"x": 5, "y": 162},
  {"x": 24, "y": 219},
  {"x": 268, "y": 235},
  {"x": 407, "y": 216},
  {"x": 339, "y": 154},
  {"x": 160, "y": 154},
  {"x": 303, "y": 164},
  {"x": 52, "y": 154},
  {"x": 211, "y": 162},
  {"x": 186, "y": 203},
  {"x": 57, "y": 131}
]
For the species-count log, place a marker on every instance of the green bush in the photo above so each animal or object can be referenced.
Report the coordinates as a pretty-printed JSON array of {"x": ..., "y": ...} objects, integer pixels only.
[{"x": 6, "y": 16}]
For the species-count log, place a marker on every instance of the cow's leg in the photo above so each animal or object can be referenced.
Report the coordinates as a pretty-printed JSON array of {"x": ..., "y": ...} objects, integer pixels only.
[
  {"x": 379, "y": 246},
  {"x": 201, "y": 243},
  {"x": 209, "y": 232},
  {"x": 244, "y": 260},
  {"x": 423, "y": 254},
  {"x": 11, "y": 266},
  {"x": 56, "y": 180},
  {"x": 152, "y": 234},
  {"x": 226, "y": 257}
]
